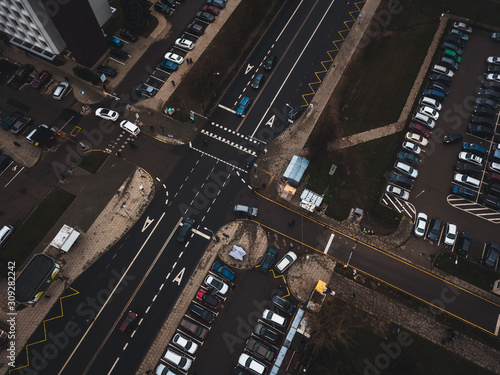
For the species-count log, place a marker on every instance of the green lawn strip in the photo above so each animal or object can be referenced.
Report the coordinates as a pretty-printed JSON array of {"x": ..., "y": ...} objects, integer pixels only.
[
  {"x": 401, "y": 352},
  {"x": 92, "y": 161},
  {"x": 36, "y": 226},
  {"x": 359, "y": 179},
  {"x": 225, "y": 55},
  {"x": 466, "y": 270}
]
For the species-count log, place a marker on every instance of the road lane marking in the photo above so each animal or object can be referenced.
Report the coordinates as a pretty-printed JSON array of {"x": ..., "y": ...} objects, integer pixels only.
[{"x": 329, "y": 243}]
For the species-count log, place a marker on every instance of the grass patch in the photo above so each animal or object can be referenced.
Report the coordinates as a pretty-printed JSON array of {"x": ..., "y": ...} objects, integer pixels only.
[
  {"x": 466, "y": 270},
  {"x": 358, "y": 180},
  {"x": 29, "y": 235},
  {"x": 92, "y": 161},
  {"x": 226, "y": 54}
]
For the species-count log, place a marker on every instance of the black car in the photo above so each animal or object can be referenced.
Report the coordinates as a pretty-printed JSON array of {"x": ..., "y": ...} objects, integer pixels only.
[
  {"x": 268, "y": 260},
  {"x": 491, "y": 255},
  {"x": 484, "y": 111},
  {"x": 145, "y": 91},
  {"x": 270, "y": 62},
  {"x": 479, "y": 120},
  {"x": 467, "y": 168},
  {"x": 455, "y": 40},
  {"x": 402, "y": 181},
  {"x": 267, "y": 333},
  {"x": 109, "y": 71},
  {"x": 294, "y": 114},
  {"x": 185, "y": 230},
  {"x": 119, "y": 53},
  {"x": 494, "y": 189},
  {"x": 195, "y": 29},
  {"x": 171, "y": 3},
  {"x": 24, "y": 71},
  {"x": 480, "y": 131},
  {"x": 488, "y": 93},
  {"x": 284, "y": 305},
  {"x": 492, "y": 68},
  {"x": 491, "y": 85},
  {"x": 434, "y": 229},
  {"x": 463, "y": 244},
  {"x": 201, "y": 312},
  {"x": 436, "y": 85},
  {"x": 258, "y": 81},
  {"x": 452, "y": 138},
  {"x": 163, "y": 8},
  {"x": 205, "y": 16},
  {"x": 452, "y": 47},
  {"x": 440, "y": 78},
  {"x": 20, "y": 125},
  {"x": 9, "y": 120},
  {"x": 128, "y": 35},
  {"x": 490, "y": 201}
]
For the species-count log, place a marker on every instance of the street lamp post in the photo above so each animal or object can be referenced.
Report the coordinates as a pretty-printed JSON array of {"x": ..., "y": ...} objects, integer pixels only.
[
  {"x": 214, "y": 237},
  {"x": 123, "y": 206},
  {"x": 213, "y": 81}
]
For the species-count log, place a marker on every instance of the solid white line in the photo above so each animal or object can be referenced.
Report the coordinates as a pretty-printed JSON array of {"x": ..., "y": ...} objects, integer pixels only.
[
  {"x": 114, "y": 364},
  {"x": 201, "y": 234},
  {"x": 227, "y": 108},
  {"x": 12, "y": 179},
  {"x": 329, "y": 243}
]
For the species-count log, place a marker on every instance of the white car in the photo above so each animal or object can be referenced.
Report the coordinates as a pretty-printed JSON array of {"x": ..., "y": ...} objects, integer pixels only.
[
  {"x": 431, "y": 112},
  {"x": 416, "y": 138},
  {"x": 443, "y": 70},
  {"x": 217, "y": 284},
  {"x": 411, "y": 147},
  {"x": 466, "y": 180},
  {"x": 406, "y": 169},
  {"x": 429, "y": 102},
  {"x": 107, "y": 114},
  {"x": 462, "y": 26},
  {"x": 397, "y": 191},
  {"x": 189, "y": 346},
  {"x": 285, "y": 262},
  {"x": 493, "y": 77},
  {"x": 129, "y": 127},
  {"x": 420, "y": 224},
  {"x": 471, "y": 158},
  {"x": 174, "y": 58},
  {"x": 273, "y": 318},
  {"x": 252, "y": 364},
  {"x": 450, "y": 234},
  {"x": 494, "y": 167},
  {"x": 493, "y": 60},
  {"x": 184, "y": 43}
]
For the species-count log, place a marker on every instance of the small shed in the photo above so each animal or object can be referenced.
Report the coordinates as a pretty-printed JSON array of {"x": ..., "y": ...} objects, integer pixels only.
[
  {"x": 309, "y": 200},
  {"x": 295, "y": 170},
  {"x": 65, "y": 238}
]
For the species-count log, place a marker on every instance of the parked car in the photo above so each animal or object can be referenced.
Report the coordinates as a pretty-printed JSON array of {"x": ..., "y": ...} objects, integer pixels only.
[
  {"x": 402, "y": 181},
  {"x": 410, "y": 158},
  {"x": 205, "y": 16},
  {"x": 221, "y": 4},
  {"x": 492, "y": 68},
  {"x": 223, "y": 271},
  {"x": 411, "y": 147},
  {"x": 429, "y": 102},
  {"x": 484, "y": 111},
  {"x": 260, "y": 349},
  {"x": 406, "y": 170},
  {"x": 464, "y": 192},
  {"x": 459, "y": 33},
  {"x": 434, "y": 229},
  {"x": 490, "y": 201},
  {"x": 258, "y": 81},
  {"x": 449, "y": 63},
  {"x": 494, "y": 167},
  {"x": 175, "y": 58},
  {"x": 201, "y": 312},
  {"x": 146, "y": 91},
  {"x": 452, "y": 47},
  {"x": 171, "y": 3},
  {"x": 24, "y": 71},
  {"x": 462, "y": 26},
  {"x": 168, "y": 66},
  {"x": 268, "y": 260},
  {"x": 163, "y": 8},
  {"x": 270, "y": 62},
  {"x": 467, "y": 168},
  {"x": 114, "y": 42},
  {"x": 216, "y": 284},
  {"x": 184, "y": 43},
  {"x": 196, "y": 29},
  {"x": 119, "y": 53},
  {"x": 267, "y": 333},
  {"x": 397, "y": 192},
  {"x": 128, "y": 35},
  {"x": 486, "y": 102},
  {"x": 185, "y": 230},
  {"x": 186, "y": 344},
  {"x": 480, "y": 131},
  {"x": 420, "y": 224},
  {"x": 284, "y": 305},
  {"x": 466, "y": 180},
  {"x": 107, "y": 114},
  {"x": 273, "y": 318},
  {"x": 452, "y": 138},
  {"x": 434, "y": 94},
  {"x": 485, "y": 121},
  {"x": 471, "y": 158},
  {"x": 492, "y": 253},
  {"x": 41, "y": 79},
  {"x": 252, "y": 364},
  {"x": 424, "y": 120},
  {"x": 9, "y": 120},
  {"x": 440, "y": 78},
  {"x": 440, "y": 86},
  {"x": 129, "y": 321},
  {"x": 442, "y": 70},
  {"x": 246, "y": 211},
  {"x": 464, "y": 241},
  {"x": 493, "y": 77},
  {"x": 417, "y": 139},
  {"x": 6, "y": 230},
  {"x": 211, "y": 9},
  {"x": 285, "y": 262},
  {"x": 177, "y": 359},
  {"x": 494, "y": 189},
  {"x": 195, "y": 329},
  {"x": 452, "y": 55},
  {"x": 243, "y": 106},
  {"x": 456, "y": 40},
  {"x": 20, "y": 125},
  {"x": 107, "y": 70},
  {"x": 208, "y": 299},
  {"x": 491, "y": 94},
  {"x": 474, "y": 148},
  {"x": 450, "y": 234},
  {"x": 495, "y": 36},
  {"x": 295, "y": 113},
  {"x": 61, "y": 90}
]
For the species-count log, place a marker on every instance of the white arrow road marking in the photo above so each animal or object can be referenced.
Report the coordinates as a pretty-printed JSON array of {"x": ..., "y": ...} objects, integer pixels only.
[
  {"x": 270, "y": 121},
  {"x": 147, "y": 223},
  {"x": 249, "y": 67},
  {"x": 179, "y": 276}
]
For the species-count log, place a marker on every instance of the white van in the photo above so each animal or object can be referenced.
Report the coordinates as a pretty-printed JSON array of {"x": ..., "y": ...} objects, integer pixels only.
[
  {"x": 5, "y": 233},
  {"x": 61, "y": 90},
  {"x": 129, "y": 127},
  {"x": 177, "y": 359},
  {"x": 429, "y": 102},
  {"x": 251, "y": 364}
]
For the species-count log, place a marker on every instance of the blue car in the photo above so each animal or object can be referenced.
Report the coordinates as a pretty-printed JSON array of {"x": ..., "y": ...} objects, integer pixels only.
[
  {"x": 434, "y": 94},
  {"x": 223, "y": 271},
  {"x": 242, "y": 107},
  {"x": 464, "y": 192},
  {"x": 475, "y": 149},
  {"x": 168, "y": 65},
  {"x": 114, "y": 42},
  {"x": 10, "y": 120}
]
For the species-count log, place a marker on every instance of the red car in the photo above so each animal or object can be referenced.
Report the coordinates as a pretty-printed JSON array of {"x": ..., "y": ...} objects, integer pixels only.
[
  {"x": 41, "y": 79},
  {"x": 419, "y": 129},
  {"x": 208, "y": 299},
  {"x": 211, "y": 9},
  {"x": 129, "y": 321}
]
